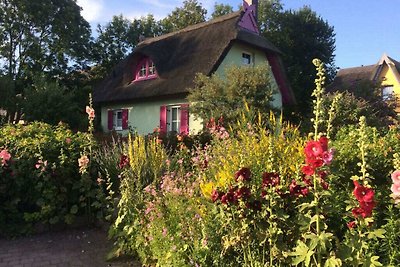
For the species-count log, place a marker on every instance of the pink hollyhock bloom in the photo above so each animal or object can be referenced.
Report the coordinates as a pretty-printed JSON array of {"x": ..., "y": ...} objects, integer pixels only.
[
  {"x": 68, "y": 140},
  {"x": 396, "y": 177},
  {"x": 396, "y": 189},
  {"x": 313, "y": 149},
  {"x": 5, "y": 156},
  {"x": 327, "y": 156},
  {"x": 90, "y": 112}
]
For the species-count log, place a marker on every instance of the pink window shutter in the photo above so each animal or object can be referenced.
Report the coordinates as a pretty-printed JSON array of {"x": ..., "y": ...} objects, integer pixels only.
[
  {"x": 163, "y": 119},
  {"x": 110, "y": 120},
  {"x": 125, "y": 119},
  {"x": 184, "y": 119}
]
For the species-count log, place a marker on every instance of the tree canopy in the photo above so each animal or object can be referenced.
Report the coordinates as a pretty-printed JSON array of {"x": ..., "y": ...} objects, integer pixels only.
[
  {"x": 301, "y": 35},
  {"x": 226, "y": 96}
]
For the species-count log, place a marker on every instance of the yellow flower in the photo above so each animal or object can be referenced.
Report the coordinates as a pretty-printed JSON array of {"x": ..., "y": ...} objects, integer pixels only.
[{"x": 207, "y": 188}]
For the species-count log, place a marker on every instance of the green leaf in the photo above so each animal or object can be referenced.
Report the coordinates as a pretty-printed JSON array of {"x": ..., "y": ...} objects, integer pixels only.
[
  {"x": 74, "y": 209},
  {"x": 333, "y": 262}
]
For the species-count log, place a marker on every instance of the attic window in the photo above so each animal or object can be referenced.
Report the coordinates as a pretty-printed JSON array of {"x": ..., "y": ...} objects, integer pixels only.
[
  {"x": 145, "y": 70},
  {"x": 246, "y": 58}
]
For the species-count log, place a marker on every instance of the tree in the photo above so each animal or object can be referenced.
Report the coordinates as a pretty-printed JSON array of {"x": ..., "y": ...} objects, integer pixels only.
[
  {"x": 45, "y": 35},
  {"x": 226, "y": 96},
  {"x": 301, "y": 35},
  {"x": 118, "y": 37},
  {"x": 191, "y": 13},
  {"x": 220, "y": 10},
  {"x": 48, "y": 36},
  {"x": 49, "y": 102}
]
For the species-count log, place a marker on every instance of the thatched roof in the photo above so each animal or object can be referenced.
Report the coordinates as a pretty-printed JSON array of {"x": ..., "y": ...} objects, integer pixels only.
[
  {"x": 178, "y": 56},
  {"x": 351, "y": 77}
]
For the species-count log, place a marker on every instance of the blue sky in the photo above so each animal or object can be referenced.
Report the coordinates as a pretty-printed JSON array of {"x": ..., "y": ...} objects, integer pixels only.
[{"x": 364, "y": 29}]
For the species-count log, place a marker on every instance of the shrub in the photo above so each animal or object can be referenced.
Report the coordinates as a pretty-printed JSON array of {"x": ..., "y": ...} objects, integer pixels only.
[{"x": 42, "y": 180}]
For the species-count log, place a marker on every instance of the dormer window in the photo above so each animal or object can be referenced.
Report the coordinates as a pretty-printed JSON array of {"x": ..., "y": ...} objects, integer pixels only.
[{"x": 145, "y": 70}]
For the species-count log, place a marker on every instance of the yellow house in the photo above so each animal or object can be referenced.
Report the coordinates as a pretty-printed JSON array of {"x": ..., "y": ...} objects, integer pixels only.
[{"x": 384, "y": 74}]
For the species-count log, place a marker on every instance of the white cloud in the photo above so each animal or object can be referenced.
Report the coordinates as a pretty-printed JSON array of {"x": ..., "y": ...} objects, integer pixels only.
[{"x": 91, "y": 9}]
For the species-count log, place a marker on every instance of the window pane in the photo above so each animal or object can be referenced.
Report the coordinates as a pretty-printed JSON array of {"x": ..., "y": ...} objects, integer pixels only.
[
  {"x": 152, "y": 69},
  {"x": 387, "y": 92},
  {"x": 246, "y": 58},
  {"x": 142, "y": 72},
  {"x": 174, "y": 114}
]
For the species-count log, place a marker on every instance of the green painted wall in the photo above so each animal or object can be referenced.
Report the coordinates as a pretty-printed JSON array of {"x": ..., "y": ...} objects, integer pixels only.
[
  {"x": 234, "y": 57},
  {"x": 144, "y": 117}
]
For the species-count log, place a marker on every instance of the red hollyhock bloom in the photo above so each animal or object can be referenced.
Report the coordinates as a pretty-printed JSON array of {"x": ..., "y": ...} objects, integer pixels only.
[
  {"x": 352, "y": 224},
  {"x": 308, "y": 170},
  {"x": 362, "y": 193},
  {"x": 242, "y": 193},
  {"x": 315, "y": 162},
  {"x": 323, "y": 140},
  {"x": 270, "y": 178},
  {"x": 313, "y": 149},
  {"x": 324, "y": 184},
  {"x": 323, "y": 174},
  {"x": 307, "y": 181},
  {"x": 215, "y": 195},
  {"x": 367, "y": 208},
  {"x": 243, "y": 174},
  {"x": 304, "y": 191}
]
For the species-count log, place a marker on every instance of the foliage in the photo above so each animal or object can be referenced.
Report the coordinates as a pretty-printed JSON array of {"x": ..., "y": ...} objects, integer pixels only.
[
  {"x": 220, "y": 10},
  {"x": 40, "y": 36},
  {"x": 301, "y": 35},
  {"x": 41, "y": 182},
  {"x": 190, "y": 13},
  {"x": 226, "y": 96},
  {"x": 49, "y": 102}
]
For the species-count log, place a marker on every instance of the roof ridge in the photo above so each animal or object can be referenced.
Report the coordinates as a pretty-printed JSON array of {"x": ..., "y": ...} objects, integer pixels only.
[
  {"x": 358, "y": 67},
  {"x": 191, "y": 28}
]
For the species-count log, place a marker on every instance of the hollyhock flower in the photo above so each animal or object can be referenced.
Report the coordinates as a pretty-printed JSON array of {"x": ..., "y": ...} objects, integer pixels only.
[
  {"x": 324, "y": 184},
  {"x": 123, "y": 161},
  {"x": 323, "y": 174},
  {"x": 242, "y": 193},
  {"x": 352, "y": 225},
  {"x": 323, "y": 140},
  {"x": 396, "y": 189},
  {"x": 90, "y": 112},
  {"x": 315, "y": 162},
  {"x": 307, "y": 181},
  {"x": 68, "y": 140},
  {"x": 308, "y": 170},
  {"x": 367, "y": 208},
  {"x": 179, "y": 138},
  {"x": 313, "y": 149},
  {"x": 215, "y": 195},
  {"x": 362, "y": 193},
  {"x": 396, "y": 177},
  {"x": 327, "y": 156},
  {"x": 270, "y": 178},
  {"x": 83, "y": 162},
  {"x": 5, "y": 156},
  {"x": 243, "y": 175},
  {"x": 304, "y": 191}
]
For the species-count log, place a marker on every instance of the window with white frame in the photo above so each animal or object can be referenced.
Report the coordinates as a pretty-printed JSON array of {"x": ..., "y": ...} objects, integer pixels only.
[
  {"x": 173, "y": 118},
  {"x": 117, "y": 119},
  {"x": 387, "y": 92},
  {"x": 247, "y": 58}
]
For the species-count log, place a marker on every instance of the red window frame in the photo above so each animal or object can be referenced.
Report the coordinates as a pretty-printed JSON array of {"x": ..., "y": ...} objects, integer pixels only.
[{"x": 145, "y": 64}]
